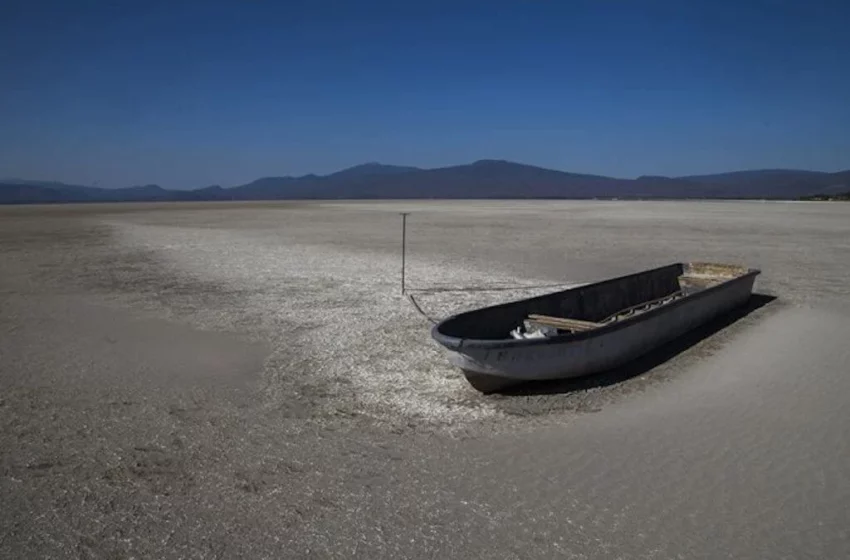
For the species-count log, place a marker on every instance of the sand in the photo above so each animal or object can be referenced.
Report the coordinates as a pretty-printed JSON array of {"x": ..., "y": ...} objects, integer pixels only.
[{"x": 245, "y": 380}]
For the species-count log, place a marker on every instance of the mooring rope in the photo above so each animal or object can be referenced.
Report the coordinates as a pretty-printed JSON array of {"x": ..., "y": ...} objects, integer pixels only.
[
  {"x": 512, "y": 288},
  {"x": 419, "y": 309}
]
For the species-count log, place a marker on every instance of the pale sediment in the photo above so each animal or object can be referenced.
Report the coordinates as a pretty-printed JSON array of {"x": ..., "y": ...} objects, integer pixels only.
[{"x": 247, "y": 380}]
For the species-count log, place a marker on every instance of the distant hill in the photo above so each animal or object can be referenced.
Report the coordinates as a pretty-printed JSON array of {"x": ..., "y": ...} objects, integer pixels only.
[
  {"x": 35, "y": 192},
  {"x": 479, "y": 180},
  {"x": 771, "y": 183},
  {"x": 372, "y": 169},
  {"x": 823, "y": 197},
  {"x": 838, "y": 188}
]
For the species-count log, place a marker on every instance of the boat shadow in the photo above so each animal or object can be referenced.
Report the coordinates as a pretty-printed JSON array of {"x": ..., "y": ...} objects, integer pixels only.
[{"x": 644, "y": 363}]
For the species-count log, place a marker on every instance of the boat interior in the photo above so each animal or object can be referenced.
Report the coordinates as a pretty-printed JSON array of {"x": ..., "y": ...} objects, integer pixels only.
[{"x": 593, "y": 305}]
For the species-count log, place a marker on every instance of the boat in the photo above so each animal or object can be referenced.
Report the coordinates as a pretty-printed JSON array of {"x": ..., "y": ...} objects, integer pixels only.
[{"x": 589, "y": 328}]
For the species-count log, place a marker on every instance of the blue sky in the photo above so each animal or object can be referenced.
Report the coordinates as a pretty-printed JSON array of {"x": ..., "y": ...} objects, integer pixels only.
[{"x": 188, "y": 94}]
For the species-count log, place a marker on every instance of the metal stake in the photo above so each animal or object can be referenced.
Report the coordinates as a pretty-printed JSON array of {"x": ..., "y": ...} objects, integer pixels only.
[{"x": 403, "y": 246}]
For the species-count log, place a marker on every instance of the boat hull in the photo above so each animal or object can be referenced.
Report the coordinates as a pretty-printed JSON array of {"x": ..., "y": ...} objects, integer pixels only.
[{"x": 491, "y": 367}]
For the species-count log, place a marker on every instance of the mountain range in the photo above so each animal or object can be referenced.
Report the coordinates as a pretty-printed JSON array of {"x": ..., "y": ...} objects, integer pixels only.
[{"x": 479, "y": 180}]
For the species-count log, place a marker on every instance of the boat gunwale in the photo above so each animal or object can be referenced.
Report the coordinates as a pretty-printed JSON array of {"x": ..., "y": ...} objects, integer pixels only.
[{"x": 458, "y": 343}]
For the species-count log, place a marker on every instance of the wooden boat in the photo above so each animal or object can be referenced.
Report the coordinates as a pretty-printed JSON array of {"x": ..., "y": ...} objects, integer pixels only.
[{"x": 590, "y": 328}]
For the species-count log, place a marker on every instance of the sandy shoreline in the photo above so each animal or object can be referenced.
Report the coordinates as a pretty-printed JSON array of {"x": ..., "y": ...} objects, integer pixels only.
[{"x": 245, "y": 380}]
